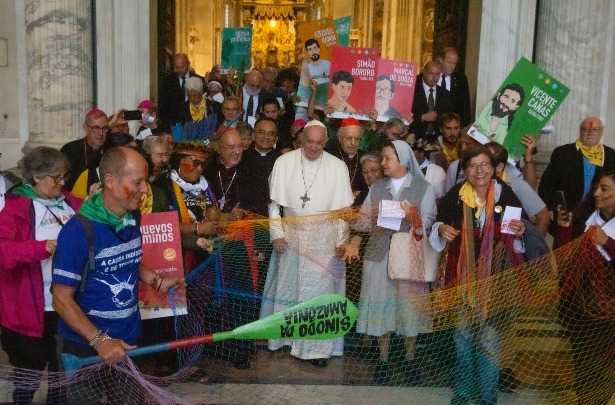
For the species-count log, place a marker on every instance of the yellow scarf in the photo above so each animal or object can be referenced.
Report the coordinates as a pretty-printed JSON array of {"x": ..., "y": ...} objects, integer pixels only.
[
  {"x": 147, "y": 201},
  {"x": 504, "y": 177},
  {"x": 595, "y": 154},
  {"x": 197, "y": 112},
  {"x": 450, "y": 154},
  {"x": 467, "y": 194}
]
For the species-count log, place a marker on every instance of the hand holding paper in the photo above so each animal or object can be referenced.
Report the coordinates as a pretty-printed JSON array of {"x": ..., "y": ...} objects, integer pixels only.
[
  {"x": 511, "y": 221},
  {"x": 390, "y": 214}
]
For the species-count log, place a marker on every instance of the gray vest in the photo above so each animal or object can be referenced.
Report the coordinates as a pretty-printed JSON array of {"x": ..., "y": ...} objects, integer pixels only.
[{"x": 380, "y": 238}]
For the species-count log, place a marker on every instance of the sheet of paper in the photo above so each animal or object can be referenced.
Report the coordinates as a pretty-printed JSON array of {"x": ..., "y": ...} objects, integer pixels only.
[
  {"x": 609, "y": 229},
  {"x": 510, "y": 213},
  {"x": 390, "y": 214},
  {"x": 144, "y": 134}
]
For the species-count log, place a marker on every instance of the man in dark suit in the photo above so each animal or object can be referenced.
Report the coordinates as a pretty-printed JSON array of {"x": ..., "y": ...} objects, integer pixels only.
[
  {"x": 456, "y": 83},
  {"x": 173, "y": 94},
  {"x": 574, "y": 165},
  {"x": 430, "y": 101}
]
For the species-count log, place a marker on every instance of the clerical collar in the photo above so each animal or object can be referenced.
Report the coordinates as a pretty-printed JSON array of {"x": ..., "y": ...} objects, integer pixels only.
[
  {"x": 227, "y": 167},
  {"x": 348, "y": 154},
  {"x": 261, "y": 152}
]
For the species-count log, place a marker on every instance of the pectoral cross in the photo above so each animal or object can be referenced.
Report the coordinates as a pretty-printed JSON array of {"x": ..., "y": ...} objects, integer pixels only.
[{"x": 305, "y": 199}]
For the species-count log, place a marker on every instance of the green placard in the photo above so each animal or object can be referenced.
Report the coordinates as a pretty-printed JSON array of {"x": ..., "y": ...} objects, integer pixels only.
[
  {"x": 236, "y": 47},
  {"x": 523, "y": 104},
  {"x": 342, "y": 26}
]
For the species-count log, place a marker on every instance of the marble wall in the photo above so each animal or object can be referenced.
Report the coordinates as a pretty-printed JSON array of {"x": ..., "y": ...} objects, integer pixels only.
[
  {"x": 574, "y": 41},
  {"x": 506, "y": 34},
  {"x": 14, "y": 100}
]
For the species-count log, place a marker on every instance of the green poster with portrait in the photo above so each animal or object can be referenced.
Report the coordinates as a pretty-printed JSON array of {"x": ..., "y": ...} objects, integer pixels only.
[
  {"x": 523, "y": 104},
  {"x": 236, "y": 49}
]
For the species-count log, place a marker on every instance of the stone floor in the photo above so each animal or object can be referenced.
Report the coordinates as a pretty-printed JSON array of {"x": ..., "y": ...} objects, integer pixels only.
[{"x": 277, "y": 378}]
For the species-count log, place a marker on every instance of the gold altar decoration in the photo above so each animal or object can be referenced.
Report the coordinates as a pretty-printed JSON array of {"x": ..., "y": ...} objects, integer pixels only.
[{"x": 273, "y": 37}]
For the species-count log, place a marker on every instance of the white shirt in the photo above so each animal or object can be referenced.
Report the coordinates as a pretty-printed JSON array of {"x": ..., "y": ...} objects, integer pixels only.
[
  {"x": 46, "y": 227},
  {"x": 246, "y": 100},
  {"x": 2, "y": 191},
  {"x": 447, "y": 81},
  {"x": 426, "y": 89}
]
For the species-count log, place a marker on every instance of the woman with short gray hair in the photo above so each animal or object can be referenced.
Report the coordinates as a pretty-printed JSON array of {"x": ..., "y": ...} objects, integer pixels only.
[
  {"x": 30, "y": 222},
  {"x": 198, "y": 108}
]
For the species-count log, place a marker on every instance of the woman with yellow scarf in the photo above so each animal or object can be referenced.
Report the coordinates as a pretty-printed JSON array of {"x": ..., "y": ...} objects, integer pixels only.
[
  {"x": 469, "y": 224},
  {"x": 198, "y": 107}
]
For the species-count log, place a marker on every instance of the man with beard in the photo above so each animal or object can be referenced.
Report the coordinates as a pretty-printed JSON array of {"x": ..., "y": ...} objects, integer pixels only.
[
  {"x": 450, "y": 128},
  {"x": 253, "y": 96},
  {"x": 317, "y": 70},
  {"x": 385, "y": 89},
  {"x": 495, "y": 121}
]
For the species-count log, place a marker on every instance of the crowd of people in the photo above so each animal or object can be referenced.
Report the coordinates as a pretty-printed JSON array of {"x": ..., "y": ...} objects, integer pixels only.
[{"x": 77, "y": 211}]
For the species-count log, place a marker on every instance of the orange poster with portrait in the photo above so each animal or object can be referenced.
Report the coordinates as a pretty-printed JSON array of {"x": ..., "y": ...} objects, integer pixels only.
[{"x": 162, "y": 254}]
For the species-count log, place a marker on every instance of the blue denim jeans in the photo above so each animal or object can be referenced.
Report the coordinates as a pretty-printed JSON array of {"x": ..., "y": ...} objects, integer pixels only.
[{"x": 479, "y": 348}]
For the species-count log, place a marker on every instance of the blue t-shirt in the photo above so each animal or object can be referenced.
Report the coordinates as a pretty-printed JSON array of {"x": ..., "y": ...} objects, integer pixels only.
[{"x": 109, "y": 298}]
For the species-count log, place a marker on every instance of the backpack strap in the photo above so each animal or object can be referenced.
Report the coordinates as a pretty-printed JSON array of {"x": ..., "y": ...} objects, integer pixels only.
[{"x": 90, "y": 264}]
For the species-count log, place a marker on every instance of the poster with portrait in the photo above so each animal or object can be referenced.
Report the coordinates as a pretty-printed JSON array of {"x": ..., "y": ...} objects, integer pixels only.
[
  {"x": 342, "y": 26},
  {"x": 318, "y": 39},
  {"x": 236, "y": 49},
  {"x": 353, "y": 81},
  {"x": 522, "y": 105},
  {"x": 395, "y": 81},
  {"x": 162, "y": 254}
]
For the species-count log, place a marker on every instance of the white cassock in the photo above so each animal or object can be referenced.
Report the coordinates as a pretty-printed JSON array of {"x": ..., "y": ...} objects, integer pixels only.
[{"x": 309, "y": 267}]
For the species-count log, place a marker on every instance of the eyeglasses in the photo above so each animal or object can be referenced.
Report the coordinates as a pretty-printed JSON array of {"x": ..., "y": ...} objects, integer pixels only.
[
  {"x": 233, "y": 148},
  {"x": 96, "y": 128},
  {"x": 474, "y": 166},
  {"x": 382, "y": 89},
  {"x": 196, "y": 163},
  {"x": 57, "y": 178},
  {"x": 262, "y": 132},
  {"x": 230, "y": 109}
]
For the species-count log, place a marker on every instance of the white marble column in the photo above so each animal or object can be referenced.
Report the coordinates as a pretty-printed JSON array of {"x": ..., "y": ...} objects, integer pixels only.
[
  {"x": 122, "y": 54},
  {"x": 506, "y": 34},
  {"x": 59, "y": 70},
  {"x": 574, "y": 42}
]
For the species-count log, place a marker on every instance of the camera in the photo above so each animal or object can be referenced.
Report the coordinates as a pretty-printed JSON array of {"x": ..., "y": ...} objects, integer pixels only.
[{"x": 131, "y": 115}]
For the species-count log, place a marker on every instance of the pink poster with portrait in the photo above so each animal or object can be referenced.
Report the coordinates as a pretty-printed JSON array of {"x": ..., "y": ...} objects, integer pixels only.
[
  {"x": 394, "y": 93},
  {"x": 353, "y": 81}
]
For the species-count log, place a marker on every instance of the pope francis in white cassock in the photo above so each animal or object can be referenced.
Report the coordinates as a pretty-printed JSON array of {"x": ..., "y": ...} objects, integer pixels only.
[{"x": 304, "y": 182}]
